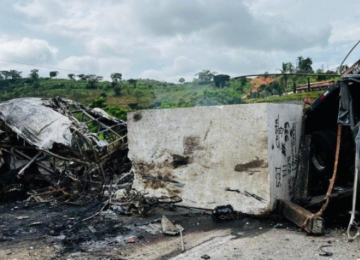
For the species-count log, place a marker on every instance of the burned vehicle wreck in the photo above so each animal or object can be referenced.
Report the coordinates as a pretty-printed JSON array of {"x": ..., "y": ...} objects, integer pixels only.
[
  {"x": 57, "y": 149},
  {"x": 332, "y": 123}
]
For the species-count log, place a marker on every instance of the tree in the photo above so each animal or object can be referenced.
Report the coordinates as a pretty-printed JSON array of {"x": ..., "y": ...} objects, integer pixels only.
[
  {"x": 71, "y": 76},
  {"x": 53, "y": 74},
  {"x": 205, "y": 76},
  {"x": 34, "y": 75},
  {"x": 294, "y": 87},
  {"x": 182, "y": 80},
  {"x": 221, "y": 80},
  {"x": 243, "y": 81},
  {"x": 304, "y": 65},
  {"x": 117, "y": 91},
  {"x": 5, "y": 74},
  {"x": 284, "y": 69},
  {"x": 15, "y": 75},
  {"x": 299, "y": 62},
  {"x": 322, "y": 76},
  {"x": 36, "y": 84},
  {"x": 92, "y": 80},
  {"x": 330, "y": 72},
  {"x": 116, "y": 77},
  {"x": 290, "y": 67},
  {"x": 133, "y": 82},
  {"x": 81, "y": 76}
]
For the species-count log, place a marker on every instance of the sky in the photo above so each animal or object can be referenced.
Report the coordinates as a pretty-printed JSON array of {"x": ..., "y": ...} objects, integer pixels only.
[{"x": 169, "y": 39}]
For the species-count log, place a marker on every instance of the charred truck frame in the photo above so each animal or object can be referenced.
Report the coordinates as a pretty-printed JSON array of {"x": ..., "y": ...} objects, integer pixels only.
[{"x": 58, "y": 142}]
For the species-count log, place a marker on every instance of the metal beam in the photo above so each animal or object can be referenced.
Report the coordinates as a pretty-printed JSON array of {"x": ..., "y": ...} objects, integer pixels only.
[{"x": 301, "y": 217}]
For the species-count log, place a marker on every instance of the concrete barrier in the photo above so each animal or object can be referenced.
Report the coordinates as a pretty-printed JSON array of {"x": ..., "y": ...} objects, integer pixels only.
[{"x": 243, "y": 155}]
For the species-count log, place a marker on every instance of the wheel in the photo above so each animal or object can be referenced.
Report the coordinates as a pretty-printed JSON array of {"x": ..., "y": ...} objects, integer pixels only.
[{"x": 322, "y": 157}]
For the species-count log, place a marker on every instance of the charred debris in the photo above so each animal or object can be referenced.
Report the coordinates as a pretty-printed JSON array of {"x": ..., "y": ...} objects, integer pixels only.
[{"x": 57, "y": 150}]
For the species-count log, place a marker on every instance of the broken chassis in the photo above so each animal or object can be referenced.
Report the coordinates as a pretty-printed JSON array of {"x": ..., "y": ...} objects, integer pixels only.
[{"x": 83, "y": 164}]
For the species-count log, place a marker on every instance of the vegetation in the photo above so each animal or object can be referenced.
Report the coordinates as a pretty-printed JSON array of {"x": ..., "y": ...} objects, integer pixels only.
[{"x": 119, "y": 96}]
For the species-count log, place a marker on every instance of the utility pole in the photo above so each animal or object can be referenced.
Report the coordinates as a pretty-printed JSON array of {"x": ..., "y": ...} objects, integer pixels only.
[{"x": 308, "y": 84}]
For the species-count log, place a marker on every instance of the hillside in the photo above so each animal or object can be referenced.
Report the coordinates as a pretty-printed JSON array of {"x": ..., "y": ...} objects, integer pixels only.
[
  {"x": 258, "y": 81},
  {"x": 124, "y": 96},
  {"x": 144, "y": 95}
]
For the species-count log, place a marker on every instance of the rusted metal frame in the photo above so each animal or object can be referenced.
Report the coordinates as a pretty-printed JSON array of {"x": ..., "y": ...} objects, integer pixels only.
[
  {"x": 111, "y": 127},
  {"x": 28, "y": 158},
  {"x": 109, "y": 154},
  {"x": 301, "y": 217},
  {"x": 74, "y": 159},
  {"x": 36, "y": 162},
  {"x": 66, "y": 159},
  {"x": 102, "y": 190},
  {"x": 105, "y": 126},
  {"x": 8, "y": 145},
  {"x": 108, "y": 128},
  {"x": 96, "y": 154},
  {"x": 76, "y": 111},
  {"x": 98, "y": 162},
  {"x": 351, "y": 68},
  {"x": 22, "y": 170},
  {"x": 80, "y": 150}
]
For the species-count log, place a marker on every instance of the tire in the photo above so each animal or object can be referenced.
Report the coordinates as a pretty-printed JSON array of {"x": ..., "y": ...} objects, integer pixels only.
[{"x": 322, "y": 157}]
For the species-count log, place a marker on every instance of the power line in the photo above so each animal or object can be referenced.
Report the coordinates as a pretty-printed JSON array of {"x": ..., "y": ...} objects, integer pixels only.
[
  {"x": 287, "y": 74},
  {"x": 35, "y": 65}
]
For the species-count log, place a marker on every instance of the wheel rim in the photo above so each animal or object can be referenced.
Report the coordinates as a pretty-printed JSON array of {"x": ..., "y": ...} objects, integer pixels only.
[{"x": 319, "y": 160}]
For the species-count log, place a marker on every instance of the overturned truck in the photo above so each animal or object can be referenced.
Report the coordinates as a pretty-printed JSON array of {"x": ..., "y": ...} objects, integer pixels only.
[{"x": 57, "y": 149}]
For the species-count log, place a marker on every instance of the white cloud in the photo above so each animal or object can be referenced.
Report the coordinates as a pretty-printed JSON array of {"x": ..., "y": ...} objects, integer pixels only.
[
  {"x": 167, "y": 39},
  {"x": 181, "y": 67},
  {"x": 28, "y": 50},
  {"x": 91, "y": 65}
]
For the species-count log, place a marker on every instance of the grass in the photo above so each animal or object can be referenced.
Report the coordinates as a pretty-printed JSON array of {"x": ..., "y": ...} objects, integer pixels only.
[
  {"x": 293, "y": 97},
  {"x": 147, "y": 94}
]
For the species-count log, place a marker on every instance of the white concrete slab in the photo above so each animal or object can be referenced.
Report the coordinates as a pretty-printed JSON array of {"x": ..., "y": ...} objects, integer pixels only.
[{"x": 243, "y": 155}]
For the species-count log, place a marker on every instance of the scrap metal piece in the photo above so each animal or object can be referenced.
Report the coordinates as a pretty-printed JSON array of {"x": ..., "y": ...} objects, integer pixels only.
[
  {"x": 181, "y": 229},
  {"x": 352, "y": 223},
  {"x": 226, "y": 212},
  {"x": 21, "y": 172},
  {"x": 168, "y": 228},
  {"x": 301, "y": 217}
]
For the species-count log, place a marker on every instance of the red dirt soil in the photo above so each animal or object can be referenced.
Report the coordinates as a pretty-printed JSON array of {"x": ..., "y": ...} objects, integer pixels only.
[{"x": 257, "y": 82}]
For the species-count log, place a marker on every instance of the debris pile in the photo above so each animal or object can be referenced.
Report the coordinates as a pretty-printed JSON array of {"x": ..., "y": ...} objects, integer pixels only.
[
  {"x": 58, "y": 149},
  {"x": 132, "y": 201}
]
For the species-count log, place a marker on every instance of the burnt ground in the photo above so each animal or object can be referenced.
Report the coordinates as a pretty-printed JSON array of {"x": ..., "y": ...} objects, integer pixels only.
[{"x": 45, "y": 231}]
